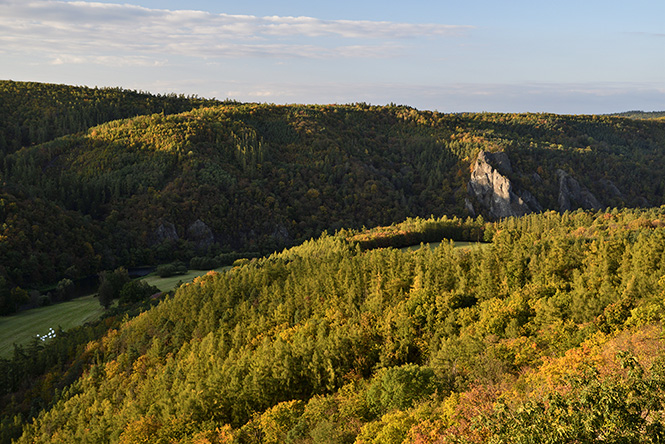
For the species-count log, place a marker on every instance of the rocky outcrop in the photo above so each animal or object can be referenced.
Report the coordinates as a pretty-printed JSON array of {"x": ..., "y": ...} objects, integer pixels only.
[
  {"x": 611, "y": 190},
  {"x": 494, "y": 192},
  {"x": 165, "y": 231},
  {"x": 200, "y": 235},
  {"x": 572, "y": 195},
  {"x": 281, "y": 234}
]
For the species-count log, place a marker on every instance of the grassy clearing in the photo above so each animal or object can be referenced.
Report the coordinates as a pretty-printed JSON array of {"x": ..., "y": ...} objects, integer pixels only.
[
  {"x": 22, "y": 327},
  {"x": 169, "y": 283}
]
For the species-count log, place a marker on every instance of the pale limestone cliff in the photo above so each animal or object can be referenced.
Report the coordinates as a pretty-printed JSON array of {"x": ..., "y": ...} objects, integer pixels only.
[{"x": 490, "y": 187}]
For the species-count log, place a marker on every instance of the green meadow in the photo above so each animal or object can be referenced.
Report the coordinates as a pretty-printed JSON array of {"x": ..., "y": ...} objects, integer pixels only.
[{"x": 21, "y": 328}]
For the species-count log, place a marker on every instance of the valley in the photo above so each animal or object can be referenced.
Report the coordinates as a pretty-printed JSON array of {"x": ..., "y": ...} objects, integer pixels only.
[{"x": 535, "y": 308}]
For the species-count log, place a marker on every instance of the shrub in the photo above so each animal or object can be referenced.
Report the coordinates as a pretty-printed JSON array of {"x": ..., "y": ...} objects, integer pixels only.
[
  {"x": 240, "y": 262},
  {"x": 173, "y": 269},
  {"x": 400, "y": 387},
  {"x": 135, "y": 291},
  {"x": 44, "y": 300}
]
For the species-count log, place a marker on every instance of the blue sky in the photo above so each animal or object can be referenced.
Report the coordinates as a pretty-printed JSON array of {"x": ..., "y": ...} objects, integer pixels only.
[{"x": 572, "y": 57}]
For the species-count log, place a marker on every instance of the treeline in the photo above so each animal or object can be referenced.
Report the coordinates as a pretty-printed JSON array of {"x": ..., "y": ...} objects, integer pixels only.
[
  {"x": 417, "y": 230},
  {"x": 551, "y": 333},
  {"x": 641, "y": 114}
]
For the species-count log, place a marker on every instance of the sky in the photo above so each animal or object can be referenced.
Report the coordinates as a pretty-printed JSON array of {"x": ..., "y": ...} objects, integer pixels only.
[{"x": 563, "y": 56}]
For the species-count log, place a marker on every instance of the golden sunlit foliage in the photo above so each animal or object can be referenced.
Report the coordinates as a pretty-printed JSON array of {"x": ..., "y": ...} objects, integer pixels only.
[{"x": 326, "y": 341}]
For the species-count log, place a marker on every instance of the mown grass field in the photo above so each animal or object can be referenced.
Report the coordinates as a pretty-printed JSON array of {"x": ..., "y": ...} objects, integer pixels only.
[{"x": 21, "y": 328}]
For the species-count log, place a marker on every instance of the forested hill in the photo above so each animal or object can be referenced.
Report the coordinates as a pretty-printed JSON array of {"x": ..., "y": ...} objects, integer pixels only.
[
  {"x": 641, "y": 114},
  {"x": 32, "y": 113},
  {"x": 255, "y": 178},
  {"x": 551, "y": 333}
]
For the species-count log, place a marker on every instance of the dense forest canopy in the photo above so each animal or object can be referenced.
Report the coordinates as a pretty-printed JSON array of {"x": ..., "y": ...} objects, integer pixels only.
[
  {"x": 33, "y": 113},
  {"x": 550, "y": 333},
  {"x": 548, "y": 328},
  {"x": 203, "y": 178}
]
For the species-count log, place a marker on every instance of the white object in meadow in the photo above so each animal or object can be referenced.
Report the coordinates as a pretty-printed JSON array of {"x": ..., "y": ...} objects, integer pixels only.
[{"x": 51, "y": 334}]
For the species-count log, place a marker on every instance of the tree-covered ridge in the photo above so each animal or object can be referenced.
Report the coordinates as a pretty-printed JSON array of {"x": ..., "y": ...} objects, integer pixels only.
[
  {"x": 610, "y": 156},
  {"x": 641, "y": 114},
  {"x": 33, "y": 113},
  {"x": 253, "y": 177},
  {"x": 555, "y": 327},
  {"x": 258, "y": 179},
  {"x": 41, "y": 242}
]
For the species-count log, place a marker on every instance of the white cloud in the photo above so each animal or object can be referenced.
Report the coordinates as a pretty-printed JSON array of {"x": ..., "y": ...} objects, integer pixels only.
[
  {"x": 262, "y": 94},
  {"x": 105, "y": 60},
  {"x": 86, "y": 29},
  {"x": 355, "y": 28}
]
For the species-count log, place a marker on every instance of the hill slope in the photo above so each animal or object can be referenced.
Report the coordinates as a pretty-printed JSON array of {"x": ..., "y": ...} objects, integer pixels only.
[
  {"x": 33, "y": 113},
  {"x": 261, "y": 177},
  {"x": 258, "y": 177},
  {"x": 554, "y": 327}
]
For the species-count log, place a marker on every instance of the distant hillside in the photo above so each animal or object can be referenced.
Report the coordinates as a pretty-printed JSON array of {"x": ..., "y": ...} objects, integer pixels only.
[
  {"x": 641, "y": 114},
  {"x": 257, "y": 178}
]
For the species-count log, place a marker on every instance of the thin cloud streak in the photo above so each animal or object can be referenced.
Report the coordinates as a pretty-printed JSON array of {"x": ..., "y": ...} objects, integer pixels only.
[
  {"x": 110, "y": 61},
  {"x": 79, "y": 28}
]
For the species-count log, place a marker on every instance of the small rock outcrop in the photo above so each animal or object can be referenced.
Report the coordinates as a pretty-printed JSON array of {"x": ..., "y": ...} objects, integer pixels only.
[
  {"x": 200, "y": 235},
  {"x": 610, "y": 189},
  {"x": 494, "y": 192},
  {"x": 281, "y": 234},
  {"x": 165, "y": 231},
  {"x": 572, "y": 195}
]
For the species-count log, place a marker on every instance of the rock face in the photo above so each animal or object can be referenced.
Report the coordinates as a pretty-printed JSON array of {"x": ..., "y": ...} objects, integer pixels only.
[
  {"x": 200, "y": 235},
  {"x": 572, "y": 195},
  {"x": 610, "y": 189},
  {"x": 165, "y": 231},
  {"x": 493, "y": 190},
  {"x": 281, "y": 234}
]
